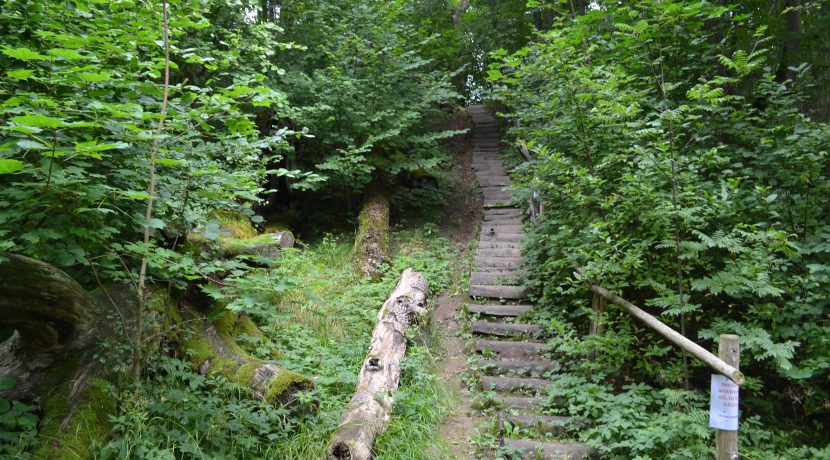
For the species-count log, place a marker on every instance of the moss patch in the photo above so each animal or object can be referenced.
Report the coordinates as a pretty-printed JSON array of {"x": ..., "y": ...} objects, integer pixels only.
[
  {"x": 235, "y": 223},
  {"x": 87, "y": 428},
  {"x": 282, "y": 383}
]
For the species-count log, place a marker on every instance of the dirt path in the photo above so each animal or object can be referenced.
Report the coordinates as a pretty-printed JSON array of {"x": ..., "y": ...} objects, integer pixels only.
[{"x": 460, "y": 227}]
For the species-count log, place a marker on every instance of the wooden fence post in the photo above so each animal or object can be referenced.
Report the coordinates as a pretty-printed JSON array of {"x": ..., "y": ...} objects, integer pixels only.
[{"x": 726, "y": 441}]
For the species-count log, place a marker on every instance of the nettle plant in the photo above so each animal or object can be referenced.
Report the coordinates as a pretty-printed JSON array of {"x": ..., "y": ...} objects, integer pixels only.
[
  {"x": 82, "y": 93},
  {"x": 675, "y": 168}
]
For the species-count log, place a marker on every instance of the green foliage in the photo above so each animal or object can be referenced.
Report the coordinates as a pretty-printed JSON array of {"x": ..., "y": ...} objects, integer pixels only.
[
  {"x": 82, "y": 105},
  {"x": 676, "y": 167},
  {"x": 315, "y": 316},
  {"x": 365, "y": 92},
  {"x": 182, "y": 414},
  {"x": 18, "y": 424}
]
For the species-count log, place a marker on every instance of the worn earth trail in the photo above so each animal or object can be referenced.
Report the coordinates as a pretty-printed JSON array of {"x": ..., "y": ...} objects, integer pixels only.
[
  {"x": 510, "y": 355},
  {"x": 460, "y": 227}
]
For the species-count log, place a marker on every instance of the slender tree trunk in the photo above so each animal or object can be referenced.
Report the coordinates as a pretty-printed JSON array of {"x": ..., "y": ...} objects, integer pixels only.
[
  {"x": 142, "y": 277},
  {"x": 791, "y": 56}
]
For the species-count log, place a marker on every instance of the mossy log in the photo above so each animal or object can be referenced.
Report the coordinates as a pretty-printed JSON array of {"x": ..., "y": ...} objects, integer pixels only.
[
  {"x": 52, "y": 314},
  {"x": 267, "y": 245},
  {"x": 213, "y": 350},
  {"x": 237, "y": 237},
  {"x": 367, "y": 414},
  {"x": 372, "y": 245}
]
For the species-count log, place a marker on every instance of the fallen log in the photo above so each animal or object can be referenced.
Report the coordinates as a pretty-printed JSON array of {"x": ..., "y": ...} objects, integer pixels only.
[
  {"x": 213, "y": 350},
  {"x": 367, "y": 414}
]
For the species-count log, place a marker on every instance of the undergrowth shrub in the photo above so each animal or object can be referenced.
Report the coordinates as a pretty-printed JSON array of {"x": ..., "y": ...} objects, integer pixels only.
[{"x": 676, "y": 168}]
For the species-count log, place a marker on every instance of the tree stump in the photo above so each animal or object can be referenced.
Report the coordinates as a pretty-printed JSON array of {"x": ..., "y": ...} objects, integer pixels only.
[{"x": 371, "y": 247}]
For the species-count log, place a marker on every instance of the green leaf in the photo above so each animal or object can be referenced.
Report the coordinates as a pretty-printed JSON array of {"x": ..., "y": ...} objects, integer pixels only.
[
  {"x": 69, "y": 55},
  {"x": 169, "y": 162},
  {"x": 31, "y": 145},
  {"x": 39, "y": 121},
  {"x": 10, "y": 166},
  {"x": 91, "y": 148},
  {"x": 20, "y": 74},
  {"x": 24, "y": 54},
  {"x": 136, "y": 195},
  {"x": 91, "y": 77}
]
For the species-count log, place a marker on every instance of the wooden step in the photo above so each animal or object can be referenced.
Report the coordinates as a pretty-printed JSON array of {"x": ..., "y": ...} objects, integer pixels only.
[
  {"x": 497, "y": 203},
  {"x": 497, "y": 200},
  {"x": 498, "y": 245},
  {"x": 496, "y": 180},
  {"x": 501, "y": 263},
  {"x": 505, "y": 329},
  {"x": 532, "y": 450},
  {"x": 506, "y": 348},
  {"x": 498, "y": 277},
  {"x": 505, "y": 211},
  {"x": 501, "y": 237},
  {"x": 500, "y": 310},
  {"x": 503, "y": 219},
  {"x": 489, "y": 169},
  {"x": 494, "y": 189},
  {"x": 519, "y": 403},
  {"x": 513, "y": 384},
  {"x": 543, "y": 424},
  {"x": 503, "y": 252},
  {"x": 515, "y": 366},
  {"x": 501, "y": 228},
  {"x": 498, "y": 292}
]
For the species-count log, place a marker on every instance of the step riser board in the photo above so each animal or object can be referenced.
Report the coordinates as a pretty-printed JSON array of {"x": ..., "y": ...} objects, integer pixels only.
[
  {"x": 498, "y": 292},
  {"x": 514, "y": 384},
  {"x": 498, "y": 277},
  {"x": 510, "y": 366},
  {"x": 501, "y": 237},
  {"x": 543, "y": 424},
  {"x": 505, "y": 329},
  {"x": 509, "y": 252},
  {"x": 550, "y": 450},
  {"x": 497, "y": 228},
  {"x": 510, "y": 262},
  {"x": 507, "y": 349},
  {"x": 500, "y": 310}
]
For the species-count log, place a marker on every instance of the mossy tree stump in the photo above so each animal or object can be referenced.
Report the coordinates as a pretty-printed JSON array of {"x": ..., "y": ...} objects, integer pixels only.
[{"x": 372, "y": 245}]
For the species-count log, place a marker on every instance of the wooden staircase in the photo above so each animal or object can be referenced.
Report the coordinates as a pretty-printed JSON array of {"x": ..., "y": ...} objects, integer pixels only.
[{"x": 513, "y": 358}]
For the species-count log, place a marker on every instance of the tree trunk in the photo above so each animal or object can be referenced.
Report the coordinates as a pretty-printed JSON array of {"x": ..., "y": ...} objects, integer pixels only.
[
  {"x": 791, "y": 49},
  {"x": 371, "y": 247},
  {"x": 367, "y": 415}
]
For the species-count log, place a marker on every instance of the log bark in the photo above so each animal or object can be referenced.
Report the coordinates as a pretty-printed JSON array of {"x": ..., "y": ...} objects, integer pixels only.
[
  {"x": 49, "y": 314},
  {"x": 213, "y": 350},
  {"x": 371, "y": 247},
  {"x": 367, "y": 415}
]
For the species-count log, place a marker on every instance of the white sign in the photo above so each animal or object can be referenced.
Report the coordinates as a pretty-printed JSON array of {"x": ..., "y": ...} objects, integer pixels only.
[{"x": 723, "y": 404}]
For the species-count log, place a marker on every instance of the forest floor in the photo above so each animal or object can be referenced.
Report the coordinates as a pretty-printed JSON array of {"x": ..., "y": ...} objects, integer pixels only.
[{"x": 460, "y": 228}]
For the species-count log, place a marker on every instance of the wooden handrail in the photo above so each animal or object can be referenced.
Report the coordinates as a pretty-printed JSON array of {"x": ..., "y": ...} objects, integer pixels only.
[
  {"x": 670, "y": 334},
  {"x": 673, "y": 336}
]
